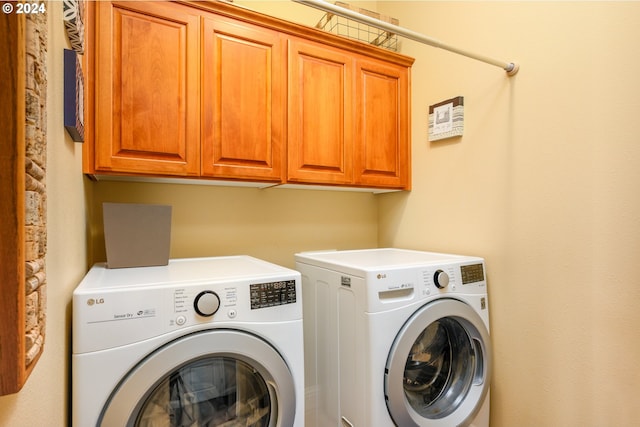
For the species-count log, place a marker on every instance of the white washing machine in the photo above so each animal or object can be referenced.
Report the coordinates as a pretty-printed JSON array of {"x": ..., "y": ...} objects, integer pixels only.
[
  {"x": 199, "y": 342},
  {"x": 395, "y": 337}
]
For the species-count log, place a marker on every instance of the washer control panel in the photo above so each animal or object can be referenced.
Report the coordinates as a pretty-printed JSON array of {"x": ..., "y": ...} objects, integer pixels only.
[
  {"x": 467, "y": 278},
  {"x": 472, "y": 273}
]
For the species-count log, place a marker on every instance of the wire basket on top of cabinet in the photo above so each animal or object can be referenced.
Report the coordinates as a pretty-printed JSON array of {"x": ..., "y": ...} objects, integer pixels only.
[{"x": 341, "y": 26}]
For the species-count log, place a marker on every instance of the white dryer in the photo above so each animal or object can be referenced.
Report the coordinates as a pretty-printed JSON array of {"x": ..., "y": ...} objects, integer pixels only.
[
  {"x": 199, "y": 342},
  {"x": 395, "y": 337}
]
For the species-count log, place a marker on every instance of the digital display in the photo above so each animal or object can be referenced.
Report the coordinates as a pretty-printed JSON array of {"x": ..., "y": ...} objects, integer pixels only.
[
  {"x": 272, "y": 294},
  {"x": 472, "y": 273}
]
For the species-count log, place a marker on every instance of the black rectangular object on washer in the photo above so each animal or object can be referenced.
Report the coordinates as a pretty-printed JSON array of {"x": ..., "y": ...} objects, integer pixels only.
[
  {"x": 472, "y": 273},
  {"x": 273, "y": 294}
]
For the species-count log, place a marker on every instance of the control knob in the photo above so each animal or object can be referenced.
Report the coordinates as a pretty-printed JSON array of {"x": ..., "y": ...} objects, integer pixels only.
[
  {"x": 206, "y": 303},
  {"x": 441, "y": 279}
]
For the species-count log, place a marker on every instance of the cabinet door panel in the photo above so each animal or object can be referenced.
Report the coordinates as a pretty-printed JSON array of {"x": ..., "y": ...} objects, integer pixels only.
[
  {"x": 320, "y": 146},
  {"x": 382, "y": 141},
  {"x": 147, "y": 100},
  {"x": 243, "y": 99}
]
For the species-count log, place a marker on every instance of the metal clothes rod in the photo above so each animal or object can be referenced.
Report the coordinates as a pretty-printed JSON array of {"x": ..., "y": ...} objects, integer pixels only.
[{"x": 510, "y": 67}]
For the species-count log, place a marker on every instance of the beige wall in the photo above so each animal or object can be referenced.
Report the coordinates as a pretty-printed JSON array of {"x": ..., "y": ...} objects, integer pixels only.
[
  {"x": 272, "y": 224},
  {"x": 544, "y": 184}
]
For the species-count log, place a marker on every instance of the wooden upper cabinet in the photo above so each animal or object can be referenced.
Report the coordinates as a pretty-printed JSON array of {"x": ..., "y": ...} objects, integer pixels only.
[
  {"x": 382, "y": 151},
  {"x": 244, "y": 101},
  {"x": 147, "y": 88},
  {"x": 348, "y": 118},
  {"x": 210, "y": 90},
  {"x": 321, "y": 127}
]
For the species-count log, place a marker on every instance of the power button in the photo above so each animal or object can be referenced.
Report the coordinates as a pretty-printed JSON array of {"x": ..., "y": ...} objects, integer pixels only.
[{"x": 181, "y": 320}]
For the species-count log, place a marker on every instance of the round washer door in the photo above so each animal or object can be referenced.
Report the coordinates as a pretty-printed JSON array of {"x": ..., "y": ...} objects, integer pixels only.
[
  {"x": 216, "y": 377},
  {"x": 438, "y": 369}
]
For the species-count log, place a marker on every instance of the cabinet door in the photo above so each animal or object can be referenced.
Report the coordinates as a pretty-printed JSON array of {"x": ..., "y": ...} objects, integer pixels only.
[
  {"x": 382, "y": 150},
  {"x": 320, "y": 144},
  {"x": 147, "y": 97},
  {"x": 244, "y": 101}
]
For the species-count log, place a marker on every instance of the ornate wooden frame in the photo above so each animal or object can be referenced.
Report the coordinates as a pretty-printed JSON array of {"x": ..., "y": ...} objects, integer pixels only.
[
  {"x": 15, "y": 362},
  {"x": 12, "y": 187}
]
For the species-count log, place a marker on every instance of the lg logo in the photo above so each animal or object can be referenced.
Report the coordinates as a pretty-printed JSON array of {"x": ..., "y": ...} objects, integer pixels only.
[
  {"x": 94, "y": 301},
  {"x": 381, "y": 276}
]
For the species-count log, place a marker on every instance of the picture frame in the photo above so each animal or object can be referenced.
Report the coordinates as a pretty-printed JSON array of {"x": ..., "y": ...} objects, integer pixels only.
[
  {"x": 73, "y": 96},
  {"x": 73, "y": 16},
  {"x": 446, "y": 119}
]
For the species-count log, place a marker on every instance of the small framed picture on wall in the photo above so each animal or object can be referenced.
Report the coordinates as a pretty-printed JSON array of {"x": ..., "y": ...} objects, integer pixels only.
[
  {"x": 73, "y": 96},
  {"x": 73, "y": 15}
]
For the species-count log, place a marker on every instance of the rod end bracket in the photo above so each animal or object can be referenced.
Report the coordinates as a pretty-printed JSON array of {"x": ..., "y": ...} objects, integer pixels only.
[{"x": 512, "y": 69}]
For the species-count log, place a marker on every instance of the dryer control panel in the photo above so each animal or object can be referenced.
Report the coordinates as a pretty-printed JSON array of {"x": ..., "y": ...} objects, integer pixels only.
[
  {"x": 141, "y": 313},
  {"x": 272, "y": 294}
]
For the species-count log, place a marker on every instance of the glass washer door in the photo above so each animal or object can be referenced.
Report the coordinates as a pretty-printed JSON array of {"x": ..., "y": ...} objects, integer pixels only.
[
  {"x": 438, "y": 369},
  {"x": 212, "y": 378}
]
